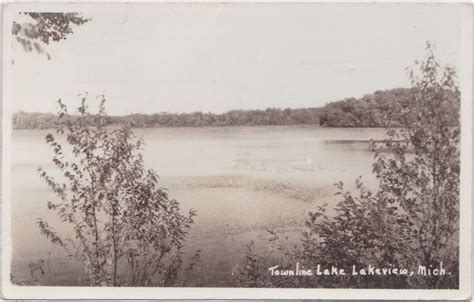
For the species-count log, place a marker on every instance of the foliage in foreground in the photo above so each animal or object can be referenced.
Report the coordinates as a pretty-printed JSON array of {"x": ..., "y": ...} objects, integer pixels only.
[
  {"x": 413, "y": 218},
  {"x": 44, "y": 28},
  {"x": 126, "y": 231}
]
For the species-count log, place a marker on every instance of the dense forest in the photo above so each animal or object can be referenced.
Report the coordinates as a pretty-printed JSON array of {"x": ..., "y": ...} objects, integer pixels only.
[{"x": 372, "y": 110}]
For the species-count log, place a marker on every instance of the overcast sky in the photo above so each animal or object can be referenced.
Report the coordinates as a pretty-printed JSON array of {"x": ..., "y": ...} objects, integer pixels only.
[{"x": 217, "y": 57}]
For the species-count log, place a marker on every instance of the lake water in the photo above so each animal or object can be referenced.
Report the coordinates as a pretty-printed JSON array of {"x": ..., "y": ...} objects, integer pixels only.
[{"x": 241, "y": 180}]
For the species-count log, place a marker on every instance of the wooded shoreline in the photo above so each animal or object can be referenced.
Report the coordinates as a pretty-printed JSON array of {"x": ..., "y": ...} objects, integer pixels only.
[{"x": 372, "y": 110}]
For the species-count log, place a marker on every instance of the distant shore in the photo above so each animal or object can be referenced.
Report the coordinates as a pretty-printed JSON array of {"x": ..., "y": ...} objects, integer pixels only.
[{"x": 372, "y": 110}]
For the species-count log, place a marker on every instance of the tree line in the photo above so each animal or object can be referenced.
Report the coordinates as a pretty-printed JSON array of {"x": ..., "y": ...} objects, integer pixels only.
[
  {"x": 371, "y": 110},
  {"x": 269, "y": 116}
]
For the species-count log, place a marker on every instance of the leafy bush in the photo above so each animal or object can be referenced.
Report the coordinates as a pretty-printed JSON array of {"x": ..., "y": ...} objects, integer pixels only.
[
  {"x": 426, "y": 186},
  {"x": 126, "y": 229}
]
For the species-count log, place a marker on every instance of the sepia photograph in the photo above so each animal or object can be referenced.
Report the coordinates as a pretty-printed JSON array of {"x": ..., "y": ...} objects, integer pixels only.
[{"x": 236, "y": 150}]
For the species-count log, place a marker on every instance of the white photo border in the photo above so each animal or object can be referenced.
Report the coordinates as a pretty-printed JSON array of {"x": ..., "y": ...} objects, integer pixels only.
[{"x": 11, "y": 291}]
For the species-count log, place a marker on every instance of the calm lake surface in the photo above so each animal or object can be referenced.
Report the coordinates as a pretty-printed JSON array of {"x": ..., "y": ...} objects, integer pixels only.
[{"x": 241, "y": 180}]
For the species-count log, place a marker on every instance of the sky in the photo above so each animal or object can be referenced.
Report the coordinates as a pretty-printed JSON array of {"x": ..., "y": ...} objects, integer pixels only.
[{"x": 148, "y": 58}]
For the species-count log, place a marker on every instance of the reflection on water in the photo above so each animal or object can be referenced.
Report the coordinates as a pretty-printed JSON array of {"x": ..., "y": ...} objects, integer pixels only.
[{"x": 241, "y": 180}]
